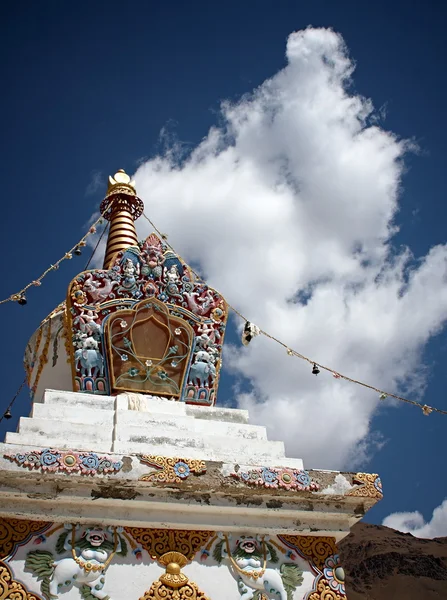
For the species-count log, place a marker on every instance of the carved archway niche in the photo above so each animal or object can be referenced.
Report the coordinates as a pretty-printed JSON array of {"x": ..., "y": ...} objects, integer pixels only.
[{"x": 148, "y": 349}]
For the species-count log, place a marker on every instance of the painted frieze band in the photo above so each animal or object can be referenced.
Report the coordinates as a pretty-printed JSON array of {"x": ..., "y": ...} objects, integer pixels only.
[
  {"x": 275, "y": 478},
  {"x": 66, "y": 461}
]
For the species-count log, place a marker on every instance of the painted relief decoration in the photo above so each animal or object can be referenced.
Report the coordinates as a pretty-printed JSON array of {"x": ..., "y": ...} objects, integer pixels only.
[
  {"x": 322, "y": 552},
  {"x": 253, "y": 560},
  {"x": 60, "y": 461},
  {"x": 173, "y": 584},
  {"x": 272, "y": 477},
  {"x": 171, "y": 470},
  {"x": 51, "y": 561},
  {"x": 369, "y": 485},
  {"x": 13, "y": 534},
  {"x": 146, "y": 325},
  {"x": 10, "y": 589},
  {"x": 17, "y": 532},
  {"x": 90, "y": 553},
  {"x": 157, "y": 542}
]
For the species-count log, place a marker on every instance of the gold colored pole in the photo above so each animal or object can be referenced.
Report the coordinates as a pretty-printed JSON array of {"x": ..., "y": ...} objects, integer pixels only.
[{"x": 121, "y": 207}]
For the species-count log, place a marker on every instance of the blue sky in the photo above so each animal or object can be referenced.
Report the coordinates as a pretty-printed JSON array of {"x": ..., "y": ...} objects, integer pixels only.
[{"x": 88, "y": 87}]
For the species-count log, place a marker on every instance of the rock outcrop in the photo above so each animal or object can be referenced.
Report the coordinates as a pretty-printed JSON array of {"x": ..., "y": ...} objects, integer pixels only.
[{"x": 384, "y": 564}]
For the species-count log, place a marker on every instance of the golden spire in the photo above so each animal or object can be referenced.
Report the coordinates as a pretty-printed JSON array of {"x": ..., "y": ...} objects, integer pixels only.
[{"x": 121, "y": 207}]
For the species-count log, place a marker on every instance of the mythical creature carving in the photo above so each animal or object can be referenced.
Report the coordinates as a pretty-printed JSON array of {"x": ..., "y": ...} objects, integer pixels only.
[
  {"x": 89, "y": 359},
  {"x": 202, "y": 371},
  {"x": 95, "y": 290},
  {"x": 153, "y": 257},
  {"x": 201, "y": 303},
  {"x": 86, "y": 571},
  {"x": 249, "y": 561},
  {"x": 208, "y": 334}
]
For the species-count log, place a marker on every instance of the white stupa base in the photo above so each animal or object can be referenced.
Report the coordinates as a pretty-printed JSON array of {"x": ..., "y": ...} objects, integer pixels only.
[
  {"x": 139, "y": 424},
  {"x": 227, "y": 493}
]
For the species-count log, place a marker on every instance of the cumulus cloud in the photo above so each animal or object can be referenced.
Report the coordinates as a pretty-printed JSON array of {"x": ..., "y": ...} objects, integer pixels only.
[
  {"x": 288, "y": 207},
  {"x": 414, "y": 522}
]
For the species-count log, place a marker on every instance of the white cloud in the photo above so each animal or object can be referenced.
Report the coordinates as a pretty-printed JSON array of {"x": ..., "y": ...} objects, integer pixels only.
[
  {"x": 414, "y": 523},
  {"x": 96, "y": 183},
  {"x": 295, "y": 196}
]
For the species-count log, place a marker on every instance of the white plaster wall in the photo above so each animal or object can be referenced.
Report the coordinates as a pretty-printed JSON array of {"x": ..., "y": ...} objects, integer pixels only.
[{"x": 58, "y": 377}]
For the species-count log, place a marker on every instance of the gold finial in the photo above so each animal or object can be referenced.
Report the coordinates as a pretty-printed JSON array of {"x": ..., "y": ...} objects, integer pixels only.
[
  {"x": 173, "y": 577},
  {"x": 120, "y": 180},
  {"x": 121, "y": 207}
]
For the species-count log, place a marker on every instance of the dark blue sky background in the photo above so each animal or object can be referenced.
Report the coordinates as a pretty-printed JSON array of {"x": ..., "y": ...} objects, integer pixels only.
[{"x": 88, "y": 86}]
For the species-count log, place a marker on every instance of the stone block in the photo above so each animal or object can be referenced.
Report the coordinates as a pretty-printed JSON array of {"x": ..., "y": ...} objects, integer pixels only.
[
  {"x": 136, "y": 418},
  {"x": 74, "y": 414},
  {"x": 230, "y": 430},
  {"x": 65, "y": 430},
  {"x": 149, "y": 404},
  {"x": 79, "y": 400},
  {"x": 60, "y": 443},
  {"x": 210, "y": 447},
  {"x": 189, "y": 424},
  {"x": 217, "y": 413}
]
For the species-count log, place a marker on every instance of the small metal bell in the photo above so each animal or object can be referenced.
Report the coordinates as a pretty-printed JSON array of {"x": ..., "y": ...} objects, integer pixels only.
[
  {"x": 315, "y": 369},
  {"x": 22, "y": 300},
  {"x": 78, "y": 251},
  {"x": 7, "y": 414}
]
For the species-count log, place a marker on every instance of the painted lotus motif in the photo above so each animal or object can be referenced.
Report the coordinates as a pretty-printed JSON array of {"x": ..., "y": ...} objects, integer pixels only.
[{"x": 335, "y": 574}]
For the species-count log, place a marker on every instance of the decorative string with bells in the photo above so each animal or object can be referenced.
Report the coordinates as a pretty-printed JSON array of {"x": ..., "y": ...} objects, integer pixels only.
[
  {"x": 316, "y": 366},
  {"x": 8, "y": 414},
  {"x": 20, "y": 296},
  {"x": 250, "y": 330}
]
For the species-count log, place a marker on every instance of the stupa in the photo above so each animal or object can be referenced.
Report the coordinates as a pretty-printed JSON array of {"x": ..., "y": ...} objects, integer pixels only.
[{"x": 127, "y": 481}]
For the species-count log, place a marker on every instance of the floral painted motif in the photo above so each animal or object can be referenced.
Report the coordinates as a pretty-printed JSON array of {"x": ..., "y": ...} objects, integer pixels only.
[
  {"x": 335, "y": 574},
  {"x": 288, "y": 479},
  {"x": 378, "y": 485},
  {"x": 83, "y": 463},
  {"x": 181, "y": 469},
  {"x": 171, "y": 470}
]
